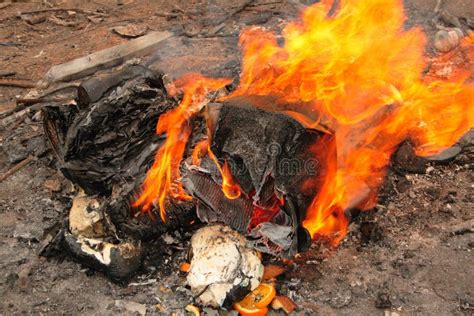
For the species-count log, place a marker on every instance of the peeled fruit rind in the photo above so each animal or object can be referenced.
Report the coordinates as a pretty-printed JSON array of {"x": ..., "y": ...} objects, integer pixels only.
[{"x": 256, "y": 302}]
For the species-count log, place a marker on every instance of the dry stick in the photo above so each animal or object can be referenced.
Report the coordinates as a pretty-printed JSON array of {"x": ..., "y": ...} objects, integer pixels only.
[
  {"x": 7, "y": 73},
  {"x": 112, "y": 8},
  {"x": 39, "y": 100},
  {"x": 234, "y": 12},
  {"x": 4, "y": 5},
  {"x": 16, "y": 167},
  {"x": 265, "y": 3},
  {"x": 16, "y": 83},
  {"x": 23, "y": 104},
  {"x": 221, "y": 21},
  {"x": 48, "y": 10},
  {"x": 85, "y": 31},
  {"x": 438, "y": 6}
]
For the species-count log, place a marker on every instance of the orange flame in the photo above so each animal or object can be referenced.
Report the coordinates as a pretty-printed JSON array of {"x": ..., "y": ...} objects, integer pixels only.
[
  {"x": 361, "y": 74},
  {"x": 230, "y": 188},
  {"x": 162, "y": 178}
]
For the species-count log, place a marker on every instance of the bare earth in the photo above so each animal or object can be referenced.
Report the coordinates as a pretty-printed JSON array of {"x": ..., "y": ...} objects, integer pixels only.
[{"x": 413, "y": 254}]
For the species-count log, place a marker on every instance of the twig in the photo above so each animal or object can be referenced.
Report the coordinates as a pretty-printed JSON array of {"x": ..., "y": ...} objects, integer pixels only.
[
  {"x": 85, "y": 31},
  {"x": 60, "y": 87},
  {"x": 166, "y": 15},
  {"x": 51, "y": 10},
  {"x": 265, "y": 3},
  {"x": 112, "y": 8},
  {"x": 7, "y": 73},
  {"x": 38, "y": 100},
  {"x": 24, "y": 104},
  {"x": 438, "y": 6},
  {"x": 16, "y": 167},
  {"x": 4, "y": 5},
  {"x": 16, "y": 83},
  {"x": 236, "y": 10}
]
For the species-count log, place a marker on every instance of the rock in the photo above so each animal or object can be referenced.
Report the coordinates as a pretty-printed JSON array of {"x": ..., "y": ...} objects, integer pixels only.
[
  {"x": 37, "y": 146},
  {"x": 131, "y": 30},
  {"x": 370, "y": 232},
  {"x": 33, "y": 19},
  {"x": 16, "y": 154},
  {"x": 130, "y": 306},
  {"x": 467, "y": 139},
  {"x": 446, "y": 155},
  {"x": 223, "y": 269},
  {"x": 446, "y": 40},
  {"x": 404, "y": 160},
  {"x": 341, "y": 299},
  {"x": 383, "y": 301},
  {"x": 29, "y": 232}
]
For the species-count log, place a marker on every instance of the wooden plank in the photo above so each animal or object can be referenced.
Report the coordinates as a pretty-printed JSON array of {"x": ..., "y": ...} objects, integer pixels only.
[{"x": 106, "y": 58}]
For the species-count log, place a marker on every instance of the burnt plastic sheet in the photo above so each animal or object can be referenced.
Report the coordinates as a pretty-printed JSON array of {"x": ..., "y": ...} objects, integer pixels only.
[
  {"x": 107, "y": 146},
  {"x": 270, "y": 152},
  {"x": 111, "y": 141},
  {"x": 214, "y": 206}
]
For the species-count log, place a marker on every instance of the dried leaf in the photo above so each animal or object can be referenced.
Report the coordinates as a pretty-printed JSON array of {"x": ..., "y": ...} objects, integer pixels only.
[{"x": 131, "y": 30}]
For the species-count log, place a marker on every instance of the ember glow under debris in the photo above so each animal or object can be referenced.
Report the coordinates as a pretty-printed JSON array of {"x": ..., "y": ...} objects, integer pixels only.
[{"x": 358, "y": 73}]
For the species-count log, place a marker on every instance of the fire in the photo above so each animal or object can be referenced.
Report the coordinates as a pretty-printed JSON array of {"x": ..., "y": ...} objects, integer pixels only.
[
  {"x": 230, "y": 188},
  {"x": 162, "y": 179},
  {"x": 361, "y": 74}
]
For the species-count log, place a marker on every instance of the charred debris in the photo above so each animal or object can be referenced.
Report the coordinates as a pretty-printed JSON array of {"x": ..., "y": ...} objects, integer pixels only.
[{"x": 106, "y": 142}]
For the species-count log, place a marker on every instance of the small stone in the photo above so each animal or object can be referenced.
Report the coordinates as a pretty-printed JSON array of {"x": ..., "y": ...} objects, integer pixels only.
[
  {"x": 430, "y": 169},
  {"x": 33, "y": 19},
  {"x": 467, "y": 139},
  {"x": 37, "y": 146},
  {"x": 16, "y": 155},
  {"x": 28, "y": 232},
  {"x": 405, "y": 160},
  {"x": 341, "y": 299},
  {"x": 446, "y": 40},
  {"x": 383, "y": 301}
]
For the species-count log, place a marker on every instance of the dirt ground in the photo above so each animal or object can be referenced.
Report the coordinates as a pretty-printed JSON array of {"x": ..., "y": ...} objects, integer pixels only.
[{"x": 413, "y": 254}]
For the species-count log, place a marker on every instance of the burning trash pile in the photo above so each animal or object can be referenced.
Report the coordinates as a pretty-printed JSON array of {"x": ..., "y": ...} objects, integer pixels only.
[{"x": 269, "y": 162}]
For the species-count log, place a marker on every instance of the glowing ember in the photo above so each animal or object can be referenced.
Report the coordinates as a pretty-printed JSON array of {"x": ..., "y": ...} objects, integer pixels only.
[{"x": 361, "y": 74}]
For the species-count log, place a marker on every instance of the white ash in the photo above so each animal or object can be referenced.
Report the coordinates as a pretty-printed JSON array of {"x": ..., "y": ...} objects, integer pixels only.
[{"x": 222, "y": 265}]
